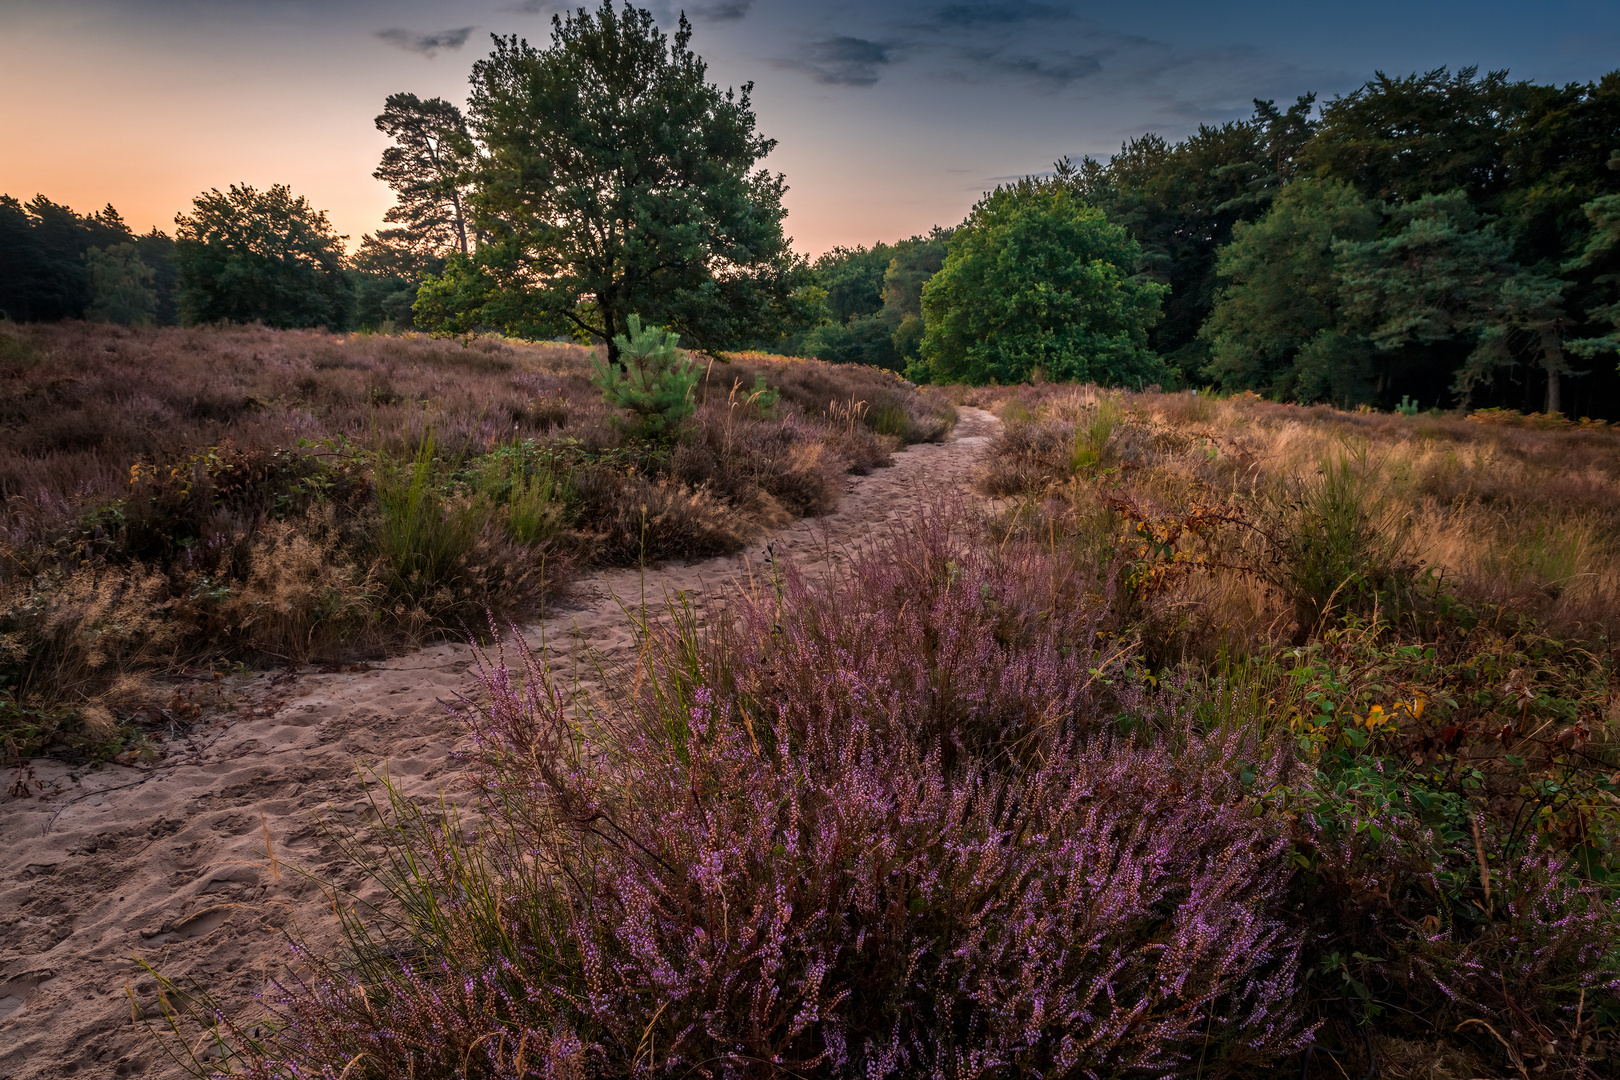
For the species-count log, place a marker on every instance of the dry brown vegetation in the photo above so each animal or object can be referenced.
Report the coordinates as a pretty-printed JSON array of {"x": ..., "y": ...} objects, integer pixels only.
[
  {"x": 1515, "y": 518},
  {"x": 1422, "y": 608},
  {"x": 183, "y": 496}
]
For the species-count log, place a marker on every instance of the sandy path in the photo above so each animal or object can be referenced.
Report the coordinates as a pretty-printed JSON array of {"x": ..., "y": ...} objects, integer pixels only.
[{"x": 99, "y": 866}]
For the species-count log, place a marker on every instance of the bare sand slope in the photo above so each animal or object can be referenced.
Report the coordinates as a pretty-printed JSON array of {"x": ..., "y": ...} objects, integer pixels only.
[{"x": 167, "y": 863}]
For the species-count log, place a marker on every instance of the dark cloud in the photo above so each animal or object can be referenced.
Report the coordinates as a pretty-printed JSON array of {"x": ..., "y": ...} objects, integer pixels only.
[
  {"x": 722, "y": 11},
  {"x": 1006, "y": 13},
  {"x": 1055, "y": 69},
  {"x": 426, "y": 44},
  {"x": 842, "y": 61}
]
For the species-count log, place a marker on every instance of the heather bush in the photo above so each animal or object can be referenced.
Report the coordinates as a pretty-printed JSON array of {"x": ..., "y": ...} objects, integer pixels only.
[
  {"x": 786, "y": 849},
  {"x": 1413, "y": 603}
]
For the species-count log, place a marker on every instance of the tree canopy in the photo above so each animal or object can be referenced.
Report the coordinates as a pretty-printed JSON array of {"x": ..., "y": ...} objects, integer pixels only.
[
  {"x": 1280, "y": 294},
  {"x": 247, "y": 255},
  {"x": 1037, "y": 281},
  {"x": 611, "y": 177},
  {"x": 45, "y": 261}
]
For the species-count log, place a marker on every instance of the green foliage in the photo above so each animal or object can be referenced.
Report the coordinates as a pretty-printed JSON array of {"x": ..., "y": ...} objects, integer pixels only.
[
  {"x": 1278, "y": 287},
  {"x": 260, "y": 256},
  {"x": 613, "y": 177},
  {"x": 1180, "y": 202},
  {"x": 853, "y": 279},
  {"x": 1036, "y": 279},
  {"x": 425, "y": 167},
  {"x": 454, "y": 301},
  {"x": 425, "y": 537},
  {"x": 1402, "y": 138},
  {"x": 651, "y": 379},
  {"x": 1601, "y": 253},
  {"x": 1531, "y": 165},
  {"x": 1435, "y": 274},
  {"x": 120, "y": 286},
  {"x": 45, "y": 268},
  {"x": 872, "y": 309}
]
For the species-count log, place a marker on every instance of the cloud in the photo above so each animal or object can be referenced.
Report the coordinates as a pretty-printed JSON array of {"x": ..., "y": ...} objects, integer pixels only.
[
  {"x": 842, "y": 61},
  {"x": 426, "y": 44},
  {"x": 1005, "y": 13},
  {"x": 722, "y": 11},
  {"x": 1054, "y": 68}
]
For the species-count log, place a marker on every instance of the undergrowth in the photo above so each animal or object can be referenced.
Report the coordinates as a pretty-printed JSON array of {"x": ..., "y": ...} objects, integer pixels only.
[
  {"x": 1212, "y": 749},
  {"x": 178, "y": 498}
]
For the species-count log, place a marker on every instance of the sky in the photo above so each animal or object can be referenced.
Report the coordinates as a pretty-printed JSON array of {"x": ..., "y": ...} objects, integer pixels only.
[{"x": 890, "y": 116}]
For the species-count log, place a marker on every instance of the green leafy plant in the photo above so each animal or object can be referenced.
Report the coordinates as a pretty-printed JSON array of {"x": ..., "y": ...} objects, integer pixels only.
[
  {"x": 652, "y": 379},
  {"x": 425, "y": 539}
]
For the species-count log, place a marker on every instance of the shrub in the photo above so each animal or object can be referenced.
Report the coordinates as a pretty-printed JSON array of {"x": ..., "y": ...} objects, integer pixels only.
[
  {"x": 776, "y": 858},
  {"x": 652, "y": 379},
  {"x": 272, "y": 496},
  {"x": 1342, "y": 543}
]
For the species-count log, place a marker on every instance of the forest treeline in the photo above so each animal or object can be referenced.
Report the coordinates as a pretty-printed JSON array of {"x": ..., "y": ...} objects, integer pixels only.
[
  {"x": 1438, "y": 238},
  {"x": 1434, "y": 240}
]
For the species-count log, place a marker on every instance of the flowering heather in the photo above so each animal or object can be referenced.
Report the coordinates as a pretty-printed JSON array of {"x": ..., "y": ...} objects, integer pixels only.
[{"x": 906, "y": 842}]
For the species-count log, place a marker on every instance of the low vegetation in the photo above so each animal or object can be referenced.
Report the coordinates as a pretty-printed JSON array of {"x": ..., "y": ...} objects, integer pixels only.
[
  {"x": 181, "y": 497},
  {"x": 1234, "y": 739}
]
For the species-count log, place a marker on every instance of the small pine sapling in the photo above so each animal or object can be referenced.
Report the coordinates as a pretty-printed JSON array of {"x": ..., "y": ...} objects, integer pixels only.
[{"x": 652, "y": 380}]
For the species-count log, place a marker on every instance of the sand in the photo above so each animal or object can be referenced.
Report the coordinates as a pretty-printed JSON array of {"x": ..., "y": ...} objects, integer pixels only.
[{"x": 166, "y": 862}]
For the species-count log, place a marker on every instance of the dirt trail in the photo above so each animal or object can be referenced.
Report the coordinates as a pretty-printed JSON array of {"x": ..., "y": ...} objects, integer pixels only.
[{"x": 166, "y": 863}]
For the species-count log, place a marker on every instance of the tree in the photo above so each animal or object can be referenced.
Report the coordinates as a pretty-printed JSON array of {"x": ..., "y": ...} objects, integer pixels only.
[
  {"x": 43, "y": 273},
  {"x": 1398, "y": 139},
  {"x": 1279, "y": 292},
  {"x": 1035, "y": 279},
  {"x": 1436, "y": 275},
  {"x": 1181, "y": 201},
  {"x": 247, "y": 255},
  {"x": 872, "y": 310},
  {"x": 425, "y": 167},
  {"x": 613, "y": 177},
  {"x": 120, "y": 286},
  {"x": 853, "y": 278},
  {"x": 651, "y": 379},
  {"x": 911, "y": 268},
  {"x": 1527, "y": 316},
  {"x": 1601, "y": 253}
]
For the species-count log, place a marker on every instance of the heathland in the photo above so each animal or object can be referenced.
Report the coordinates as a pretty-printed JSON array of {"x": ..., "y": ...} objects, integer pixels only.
[
  {"x": 1203, "y": 734},
  {"x": 1084, "y": 725}
]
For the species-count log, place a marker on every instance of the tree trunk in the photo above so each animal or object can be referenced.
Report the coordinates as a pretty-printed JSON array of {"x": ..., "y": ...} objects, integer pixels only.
[
  {"x": 610, "y": 330},
  {"x": 1552, "y": 360}
]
